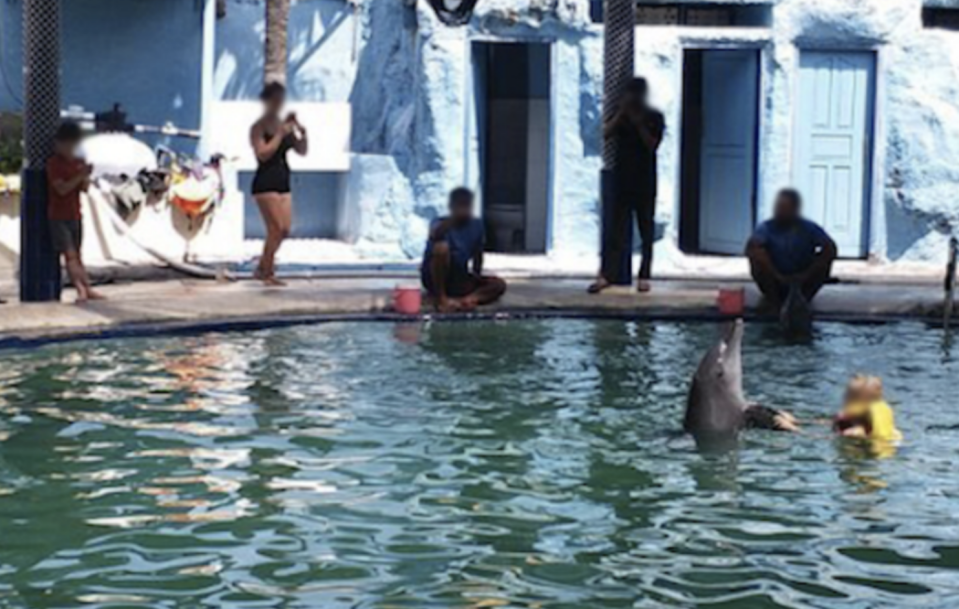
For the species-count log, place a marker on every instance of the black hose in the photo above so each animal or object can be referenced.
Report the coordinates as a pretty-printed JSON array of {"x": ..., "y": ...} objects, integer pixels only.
[
  {"x": 951, "y": 266},
  {"x": 455, "y": 17}
]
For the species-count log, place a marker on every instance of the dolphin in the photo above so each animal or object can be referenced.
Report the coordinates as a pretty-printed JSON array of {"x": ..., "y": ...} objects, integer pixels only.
[{"x": 717, "y": 410}]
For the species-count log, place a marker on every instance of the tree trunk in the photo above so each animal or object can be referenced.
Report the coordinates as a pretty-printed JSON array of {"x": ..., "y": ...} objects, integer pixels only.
[{"x": 277, "y": 21}]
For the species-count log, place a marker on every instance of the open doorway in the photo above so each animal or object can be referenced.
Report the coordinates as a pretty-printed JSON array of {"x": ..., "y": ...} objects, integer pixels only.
[
  {"x": 719, "y": 150},
  {"x": 512, "y": 85}
]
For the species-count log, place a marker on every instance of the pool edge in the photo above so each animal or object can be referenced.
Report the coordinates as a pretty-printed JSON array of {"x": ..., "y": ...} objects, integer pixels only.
[{"x": 140, "y": 329}]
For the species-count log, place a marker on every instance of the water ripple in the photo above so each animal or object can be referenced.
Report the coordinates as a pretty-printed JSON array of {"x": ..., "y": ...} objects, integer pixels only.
[{"x": 521, "y": 464}]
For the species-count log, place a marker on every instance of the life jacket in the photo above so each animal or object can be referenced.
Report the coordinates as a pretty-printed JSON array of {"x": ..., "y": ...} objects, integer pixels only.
[{"x": 877, "y": 418}]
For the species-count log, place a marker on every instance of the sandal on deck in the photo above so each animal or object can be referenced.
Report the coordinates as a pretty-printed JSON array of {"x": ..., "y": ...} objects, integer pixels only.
[{"x": 598, "y": 286}]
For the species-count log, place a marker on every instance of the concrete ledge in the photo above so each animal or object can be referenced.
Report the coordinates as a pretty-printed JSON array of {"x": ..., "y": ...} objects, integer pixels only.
[{"x": 198, "y": 306}]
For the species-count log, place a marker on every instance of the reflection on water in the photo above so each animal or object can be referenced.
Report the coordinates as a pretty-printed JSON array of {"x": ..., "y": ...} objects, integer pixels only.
[{"x": 520, "y": 464}]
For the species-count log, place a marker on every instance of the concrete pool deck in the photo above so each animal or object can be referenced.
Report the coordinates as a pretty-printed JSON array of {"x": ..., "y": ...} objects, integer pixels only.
[{"x": 197, "y": 305}]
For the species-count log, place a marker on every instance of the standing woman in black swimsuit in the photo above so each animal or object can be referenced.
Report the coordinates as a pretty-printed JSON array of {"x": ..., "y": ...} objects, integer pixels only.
[{"x": 272, "y": 138}]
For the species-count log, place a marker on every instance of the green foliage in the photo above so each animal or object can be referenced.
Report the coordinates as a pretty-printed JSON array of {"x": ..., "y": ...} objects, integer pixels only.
[
  {"x": 11, "y": 156},
  {"x": 11, "y": 143}
]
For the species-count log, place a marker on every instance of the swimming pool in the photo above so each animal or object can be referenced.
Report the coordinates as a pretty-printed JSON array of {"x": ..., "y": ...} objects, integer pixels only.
[{"x": 520, "y": 464}]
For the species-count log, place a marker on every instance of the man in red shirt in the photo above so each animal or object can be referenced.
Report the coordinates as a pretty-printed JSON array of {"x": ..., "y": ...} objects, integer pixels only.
[{"x": 67, "y": 177}]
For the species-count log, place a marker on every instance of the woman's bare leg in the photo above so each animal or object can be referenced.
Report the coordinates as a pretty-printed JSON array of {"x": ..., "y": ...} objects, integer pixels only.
[
  {"x": 277, "y": 213},
  {"x": 284, "y": 224}
]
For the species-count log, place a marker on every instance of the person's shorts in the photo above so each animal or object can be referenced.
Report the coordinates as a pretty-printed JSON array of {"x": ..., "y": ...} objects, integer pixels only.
[
  {"x": 67, "y": 235},
  {"x": 460, "y": 282}
]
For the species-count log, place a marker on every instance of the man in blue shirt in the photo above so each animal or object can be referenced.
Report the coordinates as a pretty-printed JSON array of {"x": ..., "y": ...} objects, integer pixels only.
[
  {"x": 790, "y": 250},
  {"x": 456, "y": 242}
]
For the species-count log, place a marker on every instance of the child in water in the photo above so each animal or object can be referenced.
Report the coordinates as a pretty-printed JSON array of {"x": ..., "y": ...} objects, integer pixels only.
[{"x": 866, "y": 414}]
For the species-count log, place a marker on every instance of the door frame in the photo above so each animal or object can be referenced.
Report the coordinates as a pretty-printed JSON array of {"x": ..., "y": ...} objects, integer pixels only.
[
  {"x": 763, "y": 47},
  {"x": 874, "y": 219},
  {"x": 472, "y": 168}
]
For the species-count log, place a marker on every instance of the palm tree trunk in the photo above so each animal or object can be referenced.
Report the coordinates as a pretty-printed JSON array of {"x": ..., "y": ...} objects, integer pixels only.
[{"x": 277, "y": 21}]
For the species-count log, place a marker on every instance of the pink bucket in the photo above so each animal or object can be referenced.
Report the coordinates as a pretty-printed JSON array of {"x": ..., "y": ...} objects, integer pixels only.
[
  {"x": 407, "y": 300},
  {"x": 731, "y": 301}
]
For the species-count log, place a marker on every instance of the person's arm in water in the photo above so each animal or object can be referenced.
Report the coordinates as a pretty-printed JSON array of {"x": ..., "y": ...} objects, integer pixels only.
[
  {"x": 761, "y": 417},
  {"x": 851, "y": 426},
  {"x": 855, "y": 432},
  {"x": 266, "y": 148}
]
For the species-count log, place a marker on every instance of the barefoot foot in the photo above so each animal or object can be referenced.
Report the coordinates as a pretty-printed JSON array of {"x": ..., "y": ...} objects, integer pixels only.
[{"x": 272, "y": 282}]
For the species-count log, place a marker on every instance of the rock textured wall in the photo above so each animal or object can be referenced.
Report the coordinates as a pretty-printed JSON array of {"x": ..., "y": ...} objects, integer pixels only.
[
  {"x": 412, "y": 103},
  {"x": 916, "y": 195},
  {"x": 917, "y": 139},
  {"x": 921, "y": 197}
]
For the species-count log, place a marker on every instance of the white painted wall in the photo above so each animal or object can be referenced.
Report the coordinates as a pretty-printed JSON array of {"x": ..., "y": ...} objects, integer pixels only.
[{"x": 913, "y": 205}]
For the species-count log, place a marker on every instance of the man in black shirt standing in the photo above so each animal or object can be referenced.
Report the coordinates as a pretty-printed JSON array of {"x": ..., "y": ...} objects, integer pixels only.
[{"x": 638, "y": 129}]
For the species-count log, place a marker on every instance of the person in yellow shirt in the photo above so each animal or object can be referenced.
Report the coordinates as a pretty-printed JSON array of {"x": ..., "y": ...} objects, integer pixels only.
[{"x": 865, "y": 413}]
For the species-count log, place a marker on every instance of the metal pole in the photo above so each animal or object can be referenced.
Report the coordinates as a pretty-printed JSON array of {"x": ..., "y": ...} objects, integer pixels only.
[
  {"x": 39, "y": 264},
  {"x": 619, "y": 18}
]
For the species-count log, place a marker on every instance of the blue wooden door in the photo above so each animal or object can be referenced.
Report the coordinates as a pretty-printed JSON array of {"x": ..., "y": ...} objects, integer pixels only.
[
  {"x": 728, "y": 150},
  {"x": 834, "y": 143}
]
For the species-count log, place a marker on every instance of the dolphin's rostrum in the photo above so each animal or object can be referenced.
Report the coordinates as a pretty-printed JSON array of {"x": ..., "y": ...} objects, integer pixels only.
[{"x": 717, "y": 410}]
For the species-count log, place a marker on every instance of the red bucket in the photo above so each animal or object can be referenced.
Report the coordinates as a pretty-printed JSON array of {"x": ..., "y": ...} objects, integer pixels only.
[
  {"x": 731, "y": 301},
  {"x": 407, "y": 300}
]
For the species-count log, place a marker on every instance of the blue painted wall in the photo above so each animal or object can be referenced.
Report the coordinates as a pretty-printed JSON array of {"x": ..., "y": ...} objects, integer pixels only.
[
  {"x": 145, "y": 54},
  {"x": 314, "y": 206},
  {"x": 11, "y": 56}
]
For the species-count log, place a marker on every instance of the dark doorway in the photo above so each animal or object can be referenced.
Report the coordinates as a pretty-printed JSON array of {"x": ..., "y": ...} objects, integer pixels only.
[
  {"x": 719, "y": 150},
  {"x": 513, "y": 114}
]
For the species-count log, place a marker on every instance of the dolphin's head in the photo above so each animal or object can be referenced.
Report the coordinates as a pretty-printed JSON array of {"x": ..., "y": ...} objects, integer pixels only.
[
  {"x": 716, "y": 403},
  {"x": 722, "y": 368}
]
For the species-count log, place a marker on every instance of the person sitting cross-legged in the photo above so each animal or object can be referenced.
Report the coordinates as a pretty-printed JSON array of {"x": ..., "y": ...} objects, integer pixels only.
[
  {"x": 789, "y": 250},
  {"x": 455, "y": 245}
]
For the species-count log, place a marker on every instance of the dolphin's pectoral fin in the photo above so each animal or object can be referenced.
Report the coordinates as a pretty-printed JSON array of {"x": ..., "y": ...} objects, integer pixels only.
[{"x": 761, "y": 417}]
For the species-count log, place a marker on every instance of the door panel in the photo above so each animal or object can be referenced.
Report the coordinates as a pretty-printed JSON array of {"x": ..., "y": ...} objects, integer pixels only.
[
  {"x": 834, "y": 143},
  {"x": 728, "y": 173}
]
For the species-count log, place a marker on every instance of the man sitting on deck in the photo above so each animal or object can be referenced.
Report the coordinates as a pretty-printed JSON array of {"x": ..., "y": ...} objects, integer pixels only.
[
  {"x": 790, "y": 250},
  {"x": 456, "y": 241}
]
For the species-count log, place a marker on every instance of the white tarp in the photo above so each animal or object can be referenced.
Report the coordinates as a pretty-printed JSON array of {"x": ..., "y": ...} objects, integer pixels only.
[{"x": 115, "y": 154}]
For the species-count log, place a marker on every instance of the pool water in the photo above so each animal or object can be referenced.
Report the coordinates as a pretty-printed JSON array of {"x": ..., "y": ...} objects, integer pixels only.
[{"x": 468, "y": 465}]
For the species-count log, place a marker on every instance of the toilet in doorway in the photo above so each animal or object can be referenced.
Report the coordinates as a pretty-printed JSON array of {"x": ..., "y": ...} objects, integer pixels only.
[{"x": 505, "y": 228}]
